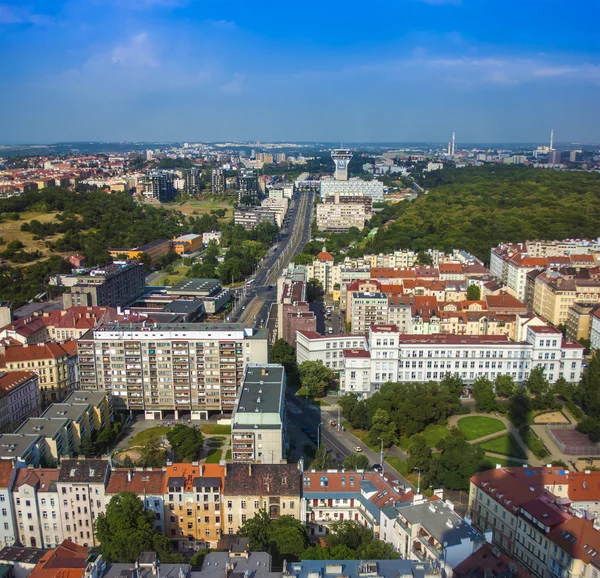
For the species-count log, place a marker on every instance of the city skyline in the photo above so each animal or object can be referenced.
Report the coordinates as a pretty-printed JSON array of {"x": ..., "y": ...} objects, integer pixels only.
[{"x": 177, "y": 70}]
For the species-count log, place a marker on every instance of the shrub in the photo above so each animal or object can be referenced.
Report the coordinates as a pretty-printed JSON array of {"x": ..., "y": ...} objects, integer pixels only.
[{"x": 463, "y": 410}]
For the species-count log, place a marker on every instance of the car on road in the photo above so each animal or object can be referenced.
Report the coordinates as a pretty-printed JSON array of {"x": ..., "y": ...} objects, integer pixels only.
[
  {"x": 357, "y": 449},
  {"x": 377, "y": 468},
  {"x": 332, "y": 423}
]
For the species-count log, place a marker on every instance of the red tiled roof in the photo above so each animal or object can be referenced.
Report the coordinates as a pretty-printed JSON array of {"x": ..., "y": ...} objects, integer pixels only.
[
  {"x": 451, "y": 268},
  {"x": 18, "y": 353},
  {"x": 447, "y": 339},
  {"x": 13, "y": 379},
  {"x": 6, "y": 472},
  {"x": 392, "y": 273},
  {"x": 149, "y": 482},
  {"x": 43, "y": 478},
  {"x": 578, "y": 538},
  {"x": 356, "y": 353},
  {"x": 324, "y": 256}
]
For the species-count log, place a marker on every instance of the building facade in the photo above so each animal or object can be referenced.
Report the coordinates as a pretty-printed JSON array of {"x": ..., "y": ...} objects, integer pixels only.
[{"x": 195, "y": 368}]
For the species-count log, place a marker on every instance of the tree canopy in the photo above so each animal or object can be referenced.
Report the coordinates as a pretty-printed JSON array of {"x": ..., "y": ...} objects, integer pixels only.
[
  {"x": 186, "y": 442},
  {"x": 126, "y": 530}
]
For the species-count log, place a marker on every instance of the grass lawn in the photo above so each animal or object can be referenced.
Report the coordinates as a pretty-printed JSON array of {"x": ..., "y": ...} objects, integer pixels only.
[
  {"x": 228, "y": 455},
  {"x": 503, "y": 462},
  {"x": 476, "y": 427},
  {"x": 217, "y": 439},
  {"x": 142, "y": 438},
  {"x": 505, "y": 445},
  {"x": 11, "y": 231},
  {"x": 214, "y": 455},
  {"x": 361, "y": 434},
  {"x": 398, "y": 464},
  {"x": 169, "y": 280},
  {"x": 433, "y": 434},
  {"x": 215, "y": 429},
  {"x": 200, "y": 206}
]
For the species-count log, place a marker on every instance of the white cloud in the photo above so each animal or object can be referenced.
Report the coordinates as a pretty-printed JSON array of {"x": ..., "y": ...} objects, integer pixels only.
[
  {"x": 234, "y": 86},
  {"x": 138, "y": 52}
]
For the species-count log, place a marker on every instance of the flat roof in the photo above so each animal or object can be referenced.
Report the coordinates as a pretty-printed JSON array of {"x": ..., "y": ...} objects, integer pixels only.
[
  {"x": 445, "y": 525},
  {"x": 66, "y": 410},
  {"x": 184, "y": 306},
  {"x": 261, "y": 390},
  {"x": 188, "y": 237},
  {"x": 379, "y": 568},
  {"x": 84, "y": 396},
  {"x": 44, "y": 426},
  {"x": 203, "y": 286},
  {"x": 15, "y": 445}
]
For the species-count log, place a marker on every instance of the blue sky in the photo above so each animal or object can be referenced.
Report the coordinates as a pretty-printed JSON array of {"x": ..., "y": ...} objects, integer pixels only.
[{"x": 394, "y": 70}]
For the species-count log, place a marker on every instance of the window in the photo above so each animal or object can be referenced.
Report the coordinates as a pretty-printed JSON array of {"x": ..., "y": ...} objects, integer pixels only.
[
  {"x": 229, "y": 504},
  {"x": 243, "y": 504},
  {"x": 229, "y": 518},
  {"x": 207, "y": 531},
  {"x": 243, "y": 518},
  {"x": 256, "y": 504}
]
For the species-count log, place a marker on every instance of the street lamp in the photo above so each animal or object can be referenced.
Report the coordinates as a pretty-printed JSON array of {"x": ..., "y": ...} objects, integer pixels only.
[
  {"x": 418, "y": 481},
  {"x": 381, "y": 453},
  {"x": 339, "y": 416},
  {"x": 319, "y": 435}
]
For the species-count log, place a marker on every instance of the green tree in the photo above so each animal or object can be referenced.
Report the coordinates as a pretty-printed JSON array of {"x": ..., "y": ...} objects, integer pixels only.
[
  {"x": 519, "y": 406},
  {"x": 424, "y": 258},
  {"x": 419, "y": 454},
  {"x": 284, "y": 536},
  {"x": 285, "y": 354},
  {"x": 87, "y": 446},
  {"x": 315, "y": 377},
  {"x": 473, "y": 292},
  {"x": 153, "y": 455},
  {"x": 536, "y": 382},
  {"x": 483, "y": 392},
  {"x": 355, "y": 461},
  {"x": 456, "y": 464},
  {"x": 323, "y": 460},
  {"x": 186, "y": 442},
  {"x": 314, "y": 290},
  {"x": 504, "y": 385},
  {"x": 382, "y": 427},
  {"x": 348, "y": 533},
  {"x": 126, "y": 530}
]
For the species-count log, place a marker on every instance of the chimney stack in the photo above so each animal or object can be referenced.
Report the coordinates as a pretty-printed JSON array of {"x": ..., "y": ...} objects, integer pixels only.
[{"x": 129, "y": 475}]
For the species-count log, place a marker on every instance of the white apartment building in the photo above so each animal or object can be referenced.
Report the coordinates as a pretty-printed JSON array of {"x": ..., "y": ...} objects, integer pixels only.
[
  {"x": 8, "y": 535},
  {"x": 81, "y": 489},
  {"x": 431, "y": 531},
  {"x": 352, "y": 188},
  {"x": 37, "y": 508},
  {"x": 258, "y": 423},
  {"x": 195, "y": 368},
  {"x": 278, "y": 207},
  {"x": 212, "y": 236},
  {"x": 340, "y": 213},
  {"x": 595, "y": 330},
  {"x": 356, "y": 375},
  {"x": 329, "y": 349},
  {"x": 367, "y": 308},
  {"x": 398, "y": 357}
]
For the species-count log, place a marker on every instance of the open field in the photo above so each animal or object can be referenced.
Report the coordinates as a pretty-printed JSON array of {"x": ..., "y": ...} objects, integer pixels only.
[
  {"x": 145, "y": 436},
  {"x": 11, "y": 231},
  {"x": 505, "y": 445},
  {"x": 215, "y": 429},
  {"x": 201, "y": 206},
  {"x": 478, "y": 426}
]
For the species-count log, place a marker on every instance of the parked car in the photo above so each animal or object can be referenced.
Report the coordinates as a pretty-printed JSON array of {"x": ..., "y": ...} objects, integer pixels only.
[
  {"x": 377, "y": 468},
  {"x": 332, "y": 423},
  {"x": 357, "y": 449}
]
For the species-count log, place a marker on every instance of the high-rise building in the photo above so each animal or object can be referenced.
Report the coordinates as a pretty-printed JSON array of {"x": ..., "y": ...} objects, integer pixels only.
[
  {"x": 247, "y": 184},
  {"x": 341, "y": 158},
  {"x": 193, "y": 368},
  {"x": 160, "y": 185},
  {"x": 554, "y": 157},
  {"x": 192, "y": 181},
  {"x": 217, "y": 181}
]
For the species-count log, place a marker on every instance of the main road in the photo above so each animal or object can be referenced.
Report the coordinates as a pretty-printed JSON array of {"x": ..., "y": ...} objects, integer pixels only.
[{"x": 253, "y": 308}]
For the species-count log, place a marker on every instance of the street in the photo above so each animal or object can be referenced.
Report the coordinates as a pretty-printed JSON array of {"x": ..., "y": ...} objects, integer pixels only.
[
  {"x": 254, "y": 307},
  {"x": 340, "y": 443}
]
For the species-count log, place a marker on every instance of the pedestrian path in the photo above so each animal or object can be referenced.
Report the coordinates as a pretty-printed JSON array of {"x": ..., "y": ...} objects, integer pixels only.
[{"x": 531, "y": 459}]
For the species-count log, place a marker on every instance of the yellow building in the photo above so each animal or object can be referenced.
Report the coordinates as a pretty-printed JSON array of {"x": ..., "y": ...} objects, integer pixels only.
[
  {"x": 192, "y": 499},
  {"x": 154, "y": 250},
  {"x": 187, "y": 244}
]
